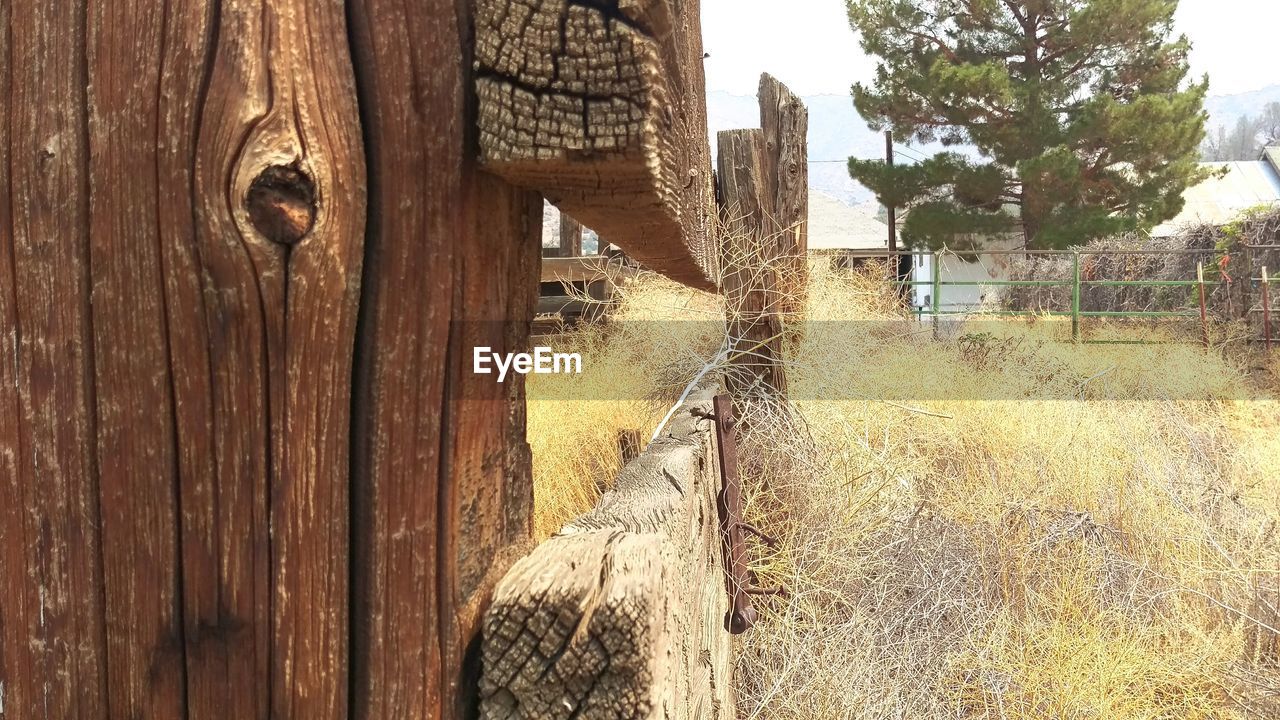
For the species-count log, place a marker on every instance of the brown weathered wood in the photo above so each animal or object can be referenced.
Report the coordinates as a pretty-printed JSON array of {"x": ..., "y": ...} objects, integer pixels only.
[
  {"x": 396, "y": 653},
  {"x": 53, "y": 656},
  {"x": 136, "y": 439},
  {"x": 443, "y": 498},
  {"x": 570, "y": 237},
  {"x": 488, "y": 496},
  {"x": 764, "y": 204},
  {"x": 216, "y": 356},
  {"x": 741, "y": 187},
  {"x": 281, "y": 95},
  {"x": 182, "y": 230},
  {"x": 785, "y": 123},
  {"x": 583, "y": 270},
  {"x": 750, "y": 258},
  {"x": 601, "y": 108},
  {"x": 621, "y": 614}
]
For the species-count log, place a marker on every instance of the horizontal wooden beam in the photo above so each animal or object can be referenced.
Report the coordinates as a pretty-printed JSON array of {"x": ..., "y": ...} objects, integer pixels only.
[
  {"x": 619, "y": 615},
  {"x": 600, "y": 106},
  {"x": 583, "y": 269}
]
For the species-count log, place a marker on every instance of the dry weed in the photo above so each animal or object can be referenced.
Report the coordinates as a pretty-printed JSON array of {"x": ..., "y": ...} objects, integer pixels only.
[{"x": 1033, "y": 529}]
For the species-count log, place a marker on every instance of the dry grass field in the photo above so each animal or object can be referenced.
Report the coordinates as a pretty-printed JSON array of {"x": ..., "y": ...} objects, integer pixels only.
[{"x": 1031, "y": 529}]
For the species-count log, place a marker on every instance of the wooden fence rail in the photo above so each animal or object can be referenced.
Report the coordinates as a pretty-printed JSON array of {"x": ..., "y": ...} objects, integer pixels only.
[
  {"x": 621, "y": 614},
  {"x": 601, "y": 107}
]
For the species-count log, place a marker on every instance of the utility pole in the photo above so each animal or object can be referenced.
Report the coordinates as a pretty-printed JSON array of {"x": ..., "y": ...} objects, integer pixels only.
[
  {"x": 893, "y": 218},
  {"x": 901, "y": 264}
]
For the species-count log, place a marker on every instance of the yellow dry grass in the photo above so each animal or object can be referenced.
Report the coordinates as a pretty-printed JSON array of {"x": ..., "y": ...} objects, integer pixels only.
[
  {"x": 630, "y": 371},
  {"x": 1036, "y": 530}
]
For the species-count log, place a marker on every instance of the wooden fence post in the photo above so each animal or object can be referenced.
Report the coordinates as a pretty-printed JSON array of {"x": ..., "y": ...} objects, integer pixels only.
[
  {"x": 177, "y": 338},
  {"x": 785, "y": 122},
  {"x": 196, "y": 265},
  {"x": 763, "y": 193},
  {"x": 570, "y": 236},
  {"x": 247, "y": 251},
  {"x": 750, "y": 251},
  {"x": 443, "y": 501},
  {"x": 51, "y": 604}
]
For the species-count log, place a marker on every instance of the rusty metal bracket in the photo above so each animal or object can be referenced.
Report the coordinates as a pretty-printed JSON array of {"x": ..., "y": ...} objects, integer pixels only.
[{"x": 741, "y": 615}]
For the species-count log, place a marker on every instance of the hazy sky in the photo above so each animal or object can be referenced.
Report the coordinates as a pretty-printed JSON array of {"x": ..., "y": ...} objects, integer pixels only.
[{"x": 809, "y": 46}]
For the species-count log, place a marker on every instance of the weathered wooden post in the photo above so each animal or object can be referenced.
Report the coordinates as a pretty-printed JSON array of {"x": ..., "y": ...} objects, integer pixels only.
[
  {"x": 785, "y": 122},
  {"x": 247, "y": 252},
  {"x": 749, "y": 276},
  {"x": 570, "y": 236},
  {"x": 183, "y": 234},
  {"x": 245, "y": 468},
  {"x": 763, "y": 196},
  {"x": 442, "y": 490}
]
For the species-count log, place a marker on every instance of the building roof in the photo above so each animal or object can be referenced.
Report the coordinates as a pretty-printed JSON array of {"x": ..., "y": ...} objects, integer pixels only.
[
  {"x": 836, "y": 226},
  {"x": 1272, "y": 155},
  {"x": 1219, "y": 200}
]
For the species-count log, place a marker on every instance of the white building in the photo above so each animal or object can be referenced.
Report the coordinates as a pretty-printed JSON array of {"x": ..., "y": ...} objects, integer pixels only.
[{"x": 1236, "y": 187}]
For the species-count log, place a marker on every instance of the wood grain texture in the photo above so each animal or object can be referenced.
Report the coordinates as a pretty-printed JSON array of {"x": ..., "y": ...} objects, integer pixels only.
[
  {"x": 133, "y": 389},
  {"x": 53, "y": 657},
  {"x": 570, "y": 237},
  {"x": 280, "y": 320},
  {"x": 217, "y": 382},
  {"x": 443, "y": 495},
  {"x": 621, "y": 614},
  {"x": 177, "y": 382},
  {"x": 486, "y": 497},
  {"x": 305, "y": 117},
  {"x": 412, "y": 93},
  {"x": 750, "y": 261},
  {"x": 182, "y": 232},
  {"x": 600, "y": 106},
  {"x": 785, "y": 123}
]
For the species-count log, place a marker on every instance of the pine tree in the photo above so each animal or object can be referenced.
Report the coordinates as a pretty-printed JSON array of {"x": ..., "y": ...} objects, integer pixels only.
[{"x": 1080, "y": 111}]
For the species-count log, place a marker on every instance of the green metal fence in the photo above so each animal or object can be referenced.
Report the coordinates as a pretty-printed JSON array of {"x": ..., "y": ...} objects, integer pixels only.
[{"x": 1198, "y": 290}]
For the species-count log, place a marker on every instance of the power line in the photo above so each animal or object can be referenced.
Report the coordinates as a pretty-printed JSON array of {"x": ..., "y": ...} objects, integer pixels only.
[
  {"x": 914, "y": 160},
  {"x": 908, "y": 151}
]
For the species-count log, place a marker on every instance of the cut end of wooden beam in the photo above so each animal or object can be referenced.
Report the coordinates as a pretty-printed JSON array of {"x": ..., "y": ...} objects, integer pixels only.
[
  {"x": 600, "y": 107},
  {"x": 620, "y": 614}
]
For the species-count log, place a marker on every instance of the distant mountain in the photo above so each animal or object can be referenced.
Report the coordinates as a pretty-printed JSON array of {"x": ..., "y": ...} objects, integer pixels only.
[
  {"x": 836, "y": 132},
  {"x": 1226, "y": 109}
]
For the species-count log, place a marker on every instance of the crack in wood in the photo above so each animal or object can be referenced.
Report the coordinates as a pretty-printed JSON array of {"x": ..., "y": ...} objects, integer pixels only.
[{"x": 598, "y": 105}]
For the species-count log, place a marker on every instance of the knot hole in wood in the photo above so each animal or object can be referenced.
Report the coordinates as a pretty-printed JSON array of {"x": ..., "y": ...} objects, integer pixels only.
[{"x": 282, "y": 204}]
